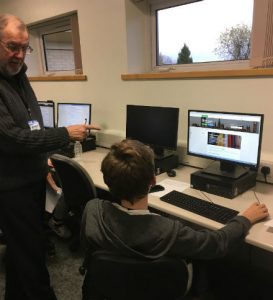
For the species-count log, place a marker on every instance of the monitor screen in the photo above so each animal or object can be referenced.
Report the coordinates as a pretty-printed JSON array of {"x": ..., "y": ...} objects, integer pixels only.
[
  {"x": 48, "y": 113},
  {"x": 73, "y": 113},
  {"x": 154, "y": 126},
  {"x": 233, "y": 139}
]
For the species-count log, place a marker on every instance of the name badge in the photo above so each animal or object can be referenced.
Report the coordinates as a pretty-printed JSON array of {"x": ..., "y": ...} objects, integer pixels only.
[{"x": 34, "y": 125}]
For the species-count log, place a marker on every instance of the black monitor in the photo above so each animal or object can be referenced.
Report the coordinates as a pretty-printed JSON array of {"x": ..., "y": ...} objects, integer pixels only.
[
  {"x": 232, "y": 139},
  {"x": 73, "y": 113},
  {"x": 154, "y": 126},
  {"x": 48, "y": 113}
]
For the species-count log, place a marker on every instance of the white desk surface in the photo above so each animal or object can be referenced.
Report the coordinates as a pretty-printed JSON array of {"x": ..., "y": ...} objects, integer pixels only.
[{"x": 259, "y": 235}]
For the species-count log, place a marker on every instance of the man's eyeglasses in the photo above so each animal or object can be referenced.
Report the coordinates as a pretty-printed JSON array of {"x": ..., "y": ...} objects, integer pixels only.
[{"x": 17, "y": 48}]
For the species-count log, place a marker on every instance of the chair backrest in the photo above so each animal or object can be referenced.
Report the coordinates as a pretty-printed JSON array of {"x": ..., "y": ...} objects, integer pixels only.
[
  {"x": 78, "y": 187},
  {"x": 113, "y": 277}
]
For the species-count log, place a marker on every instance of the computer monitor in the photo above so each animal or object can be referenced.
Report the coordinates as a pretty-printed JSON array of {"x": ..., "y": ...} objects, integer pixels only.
[
  {"x": 48, "y": 113},
  {"x": 153, "y": 125},
  {"x": 232, "y": 139},
  {"x": 73, "y": 113}
]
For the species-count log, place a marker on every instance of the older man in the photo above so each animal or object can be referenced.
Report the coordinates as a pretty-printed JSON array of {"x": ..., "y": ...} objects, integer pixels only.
[{"x": 23, "y": 167}]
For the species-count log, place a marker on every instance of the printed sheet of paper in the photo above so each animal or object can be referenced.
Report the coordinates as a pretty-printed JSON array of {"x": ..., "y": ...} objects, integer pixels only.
[{"x": 269, "y": 223}]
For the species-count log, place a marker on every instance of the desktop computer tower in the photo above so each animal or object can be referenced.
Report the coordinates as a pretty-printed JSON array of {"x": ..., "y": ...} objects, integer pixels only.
[
  {"x": 223, "y": 186},
  {"x": 164, "y": 164},
  {"x": 89, "y": 143}
]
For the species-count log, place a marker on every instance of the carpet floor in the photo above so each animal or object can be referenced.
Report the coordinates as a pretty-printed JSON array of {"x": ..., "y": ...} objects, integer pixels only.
[{"x": 63, "y": 269}]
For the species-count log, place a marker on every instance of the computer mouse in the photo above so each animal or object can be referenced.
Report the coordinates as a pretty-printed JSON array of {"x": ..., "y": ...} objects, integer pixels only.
[
  {"x": 171, "y": 173},
  {"x": 156, "y": 188}
]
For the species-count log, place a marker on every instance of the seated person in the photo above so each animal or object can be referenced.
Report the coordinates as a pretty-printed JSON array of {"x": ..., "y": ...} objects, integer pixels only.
[
  {"x": 130, "y": 228},
  {"x": 60, "y": 212}
]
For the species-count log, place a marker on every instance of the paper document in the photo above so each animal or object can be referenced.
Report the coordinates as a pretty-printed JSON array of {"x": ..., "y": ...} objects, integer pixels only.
[{"x": 170, "y": 185}]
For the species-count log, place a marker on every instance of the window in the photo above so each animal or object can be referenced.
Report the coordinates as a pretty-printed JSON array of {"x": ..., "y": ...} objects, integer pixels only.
[
  {"x": 209, "y": 34},
  {"x": 58, "y": 51},
  {"x": 56, "y": 45}
]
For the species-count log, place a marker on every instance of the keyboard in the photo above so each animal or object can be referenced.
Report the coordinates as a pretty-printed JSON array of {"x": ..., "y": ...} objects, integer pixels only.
[{"x": 201, "y": 207}]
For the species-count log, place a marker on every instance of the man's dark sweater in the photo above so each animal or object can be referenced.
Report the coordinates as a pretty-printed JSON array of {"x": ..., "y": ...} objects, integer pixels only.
[{"x": 23, "y": 159}]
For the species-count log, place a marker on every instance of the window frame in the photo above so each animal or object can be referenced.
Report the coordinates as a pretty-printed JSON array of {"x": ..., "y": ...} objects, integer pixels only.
[
  {"x": 68, "y": 21},
  {"x": 204, "y": 66}
]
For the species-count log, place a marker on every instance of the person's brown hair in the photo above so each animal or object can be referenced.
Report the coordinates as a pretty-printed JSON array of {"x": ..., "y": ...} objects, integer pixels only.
[{"x": 128, "y": 170}]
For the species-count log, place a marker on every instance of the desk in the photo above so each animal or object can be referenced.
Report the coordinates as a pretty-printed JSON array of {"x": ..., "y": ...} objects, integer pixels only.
[{"x": 259, "y": 235}]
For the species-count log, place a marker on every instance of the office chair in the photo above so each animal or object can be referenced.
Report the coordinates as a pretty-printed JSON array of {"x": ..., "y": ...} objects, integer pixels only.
[
  {"x": 111, "y": 276},
  {"x": 78, "y": 188}
]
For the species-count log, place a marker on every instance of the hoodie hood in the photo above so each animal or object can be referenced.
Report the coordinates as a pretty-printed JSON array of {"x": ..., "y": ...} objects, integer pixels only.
[{"x": 146, "y": 236}]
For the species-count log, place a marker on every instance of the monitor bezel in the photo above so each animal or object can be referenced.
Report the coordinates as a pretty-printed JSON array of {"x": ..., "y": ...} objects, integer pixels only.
[
  {"x": 253, "y": 167},
  {"x": 157, "y": 148},
  {"x": 48, "y": 103},
  {"x": 75, "y": 104}
]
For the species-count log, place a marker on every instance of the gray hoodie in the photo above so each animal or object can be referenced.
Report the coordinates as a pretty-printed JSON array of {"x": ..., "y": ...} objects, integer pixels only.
[{"x": 106, "y": 226}]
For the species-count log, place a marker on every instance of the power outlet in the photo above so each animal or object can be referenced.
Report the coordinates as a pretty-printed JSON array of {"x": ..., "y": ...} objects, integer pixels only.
[{"x": 260, "y": 175}]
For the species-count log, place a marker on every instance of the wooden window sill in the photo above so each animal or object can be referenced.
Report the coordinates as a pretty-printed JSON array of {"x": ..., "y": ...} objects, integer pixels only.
[
  {"x": 201, "y": 74},
  {"x": 58, "y": 78}
]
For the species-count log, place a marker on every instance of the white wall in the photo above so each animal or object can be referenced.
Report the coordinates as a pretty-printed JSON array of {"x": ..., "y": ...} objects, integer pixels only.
[{"x": 104, "y": 39}]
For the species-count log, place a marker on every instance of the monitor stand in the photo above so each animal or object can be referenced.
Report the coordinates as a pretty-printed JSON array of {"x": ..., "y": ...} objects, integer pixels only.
[{"x": 225, "y": 169}]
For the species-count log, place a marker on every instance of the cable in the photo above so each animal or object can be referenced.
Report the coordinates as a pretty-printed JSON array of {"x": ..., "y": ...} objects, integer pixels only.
[
  {"x": 207, "y": 197},
  {"x": 256, "y": 197},
  {"x": 265, "y": 171}
]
